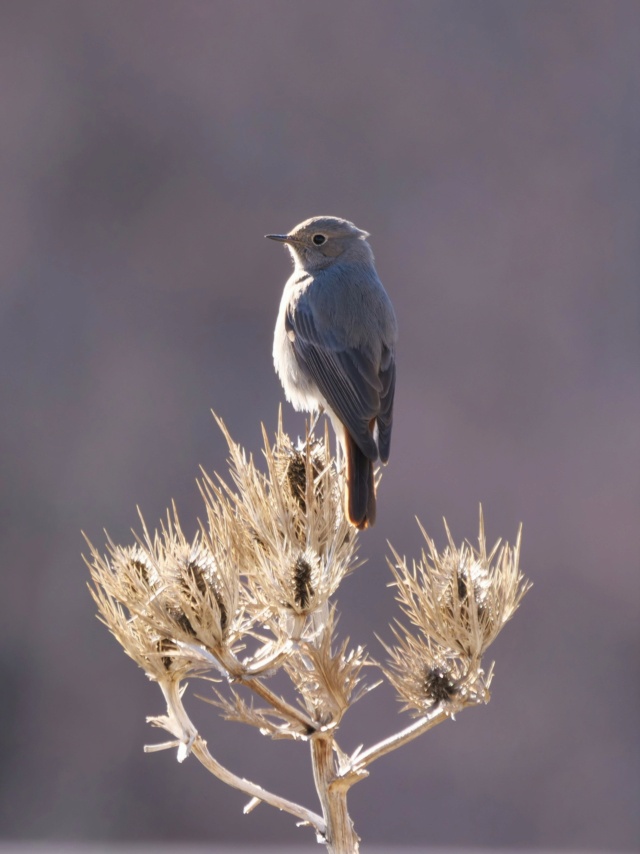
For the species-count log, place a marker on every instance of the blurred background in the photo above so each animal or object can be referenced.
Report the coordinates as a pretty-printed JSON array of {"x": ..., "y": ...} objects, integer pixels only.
[{"x": 492, "y": 150}]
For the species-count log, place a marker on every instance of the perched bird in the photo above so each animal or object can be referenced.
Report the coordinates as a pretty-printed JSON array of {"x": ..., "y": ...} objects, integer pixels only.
[{"x": 334, "y": 347}]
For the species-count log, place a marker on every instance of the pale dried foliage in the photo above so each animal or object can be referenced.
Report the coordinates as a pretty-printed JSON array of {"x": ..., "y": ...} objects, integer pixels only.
[
  {"x": 251, "y": 595},
  {"x": 457, "y": 601}
]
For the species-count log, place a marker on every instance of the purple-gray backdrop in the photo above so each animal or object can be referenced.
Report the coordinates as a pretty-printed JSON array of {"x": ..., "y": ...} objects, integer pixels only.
[{"x": 491, "y": 148}]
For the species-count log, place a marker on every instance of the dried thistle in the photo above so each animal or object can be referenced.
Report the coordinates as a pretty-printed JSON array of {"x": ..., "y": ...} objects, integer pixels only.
[
  {"x": 291, "y": 540},
  {"x": 165, "y": 597},
  {"x": 425, "y": 674},
  {"x": 327, "y": 681},
  {"x": 458, "y": 600},
  {"x": 258, "y": 580}
]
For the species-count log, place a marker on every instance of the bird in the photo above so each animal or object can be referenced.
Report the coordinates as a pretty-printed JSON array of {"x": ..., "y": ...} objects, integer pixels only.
[{"x": 334, "y": 347}]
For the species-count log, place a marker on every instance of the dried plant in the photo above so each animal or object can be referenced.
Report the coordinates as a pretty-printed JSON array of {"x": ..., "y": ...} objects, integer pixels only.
[{"x": 251, "y": 595}]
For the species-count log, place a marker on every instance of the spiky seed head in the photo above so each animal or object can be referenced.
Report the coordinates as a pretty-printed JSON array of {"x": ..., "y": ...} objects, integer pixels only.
[
  {"x": 438, "y": 684},
  {"x": 296, "y": 474},
  {"x": 457, "y": 600},
  {"x": 303, "y": 589}
]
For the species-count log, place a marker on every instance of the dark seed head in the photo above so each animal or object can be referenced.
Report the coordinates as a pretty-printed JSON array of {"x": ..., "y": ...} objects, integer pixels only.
[
  {"x": 140, "y": 568},
  {"x": 166, "y": 645},
  {"x": 182, "y": 620},
  {"x": 197, "y": 573},
  {"x": 303, "y": 591},
  {"x": 297, "y": 479},
  {"x": 224, "y": 617},
  {"x": 438, "y": 685}
]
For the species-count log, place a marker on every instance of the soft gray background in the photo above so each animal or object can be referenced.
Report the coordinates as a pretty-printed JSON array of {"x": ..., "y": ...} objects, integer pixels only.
[{"x": 491, "y": 148}]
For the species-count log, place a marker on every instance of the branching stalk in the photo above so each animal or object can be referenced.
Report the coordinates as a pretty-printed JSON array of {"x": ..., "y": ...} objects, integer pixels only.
[{"x": 179, "y": 724}]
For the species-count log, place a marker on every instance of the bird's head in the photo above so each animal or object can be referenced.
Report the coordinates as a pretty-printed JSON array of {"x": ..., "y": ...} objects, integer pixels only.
[{"x": 317, "y": 242}]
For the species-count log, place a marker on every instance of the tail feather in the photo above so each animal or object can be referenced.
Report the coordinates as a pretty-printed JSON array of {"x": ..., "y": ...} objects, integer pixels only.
[{"x": 360, "y": 489}]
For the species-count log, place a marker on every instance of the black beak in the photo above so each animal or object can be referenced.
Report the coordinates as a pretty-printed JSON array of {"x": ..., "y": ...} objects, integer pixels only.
[{"x": 282, "y": 238}]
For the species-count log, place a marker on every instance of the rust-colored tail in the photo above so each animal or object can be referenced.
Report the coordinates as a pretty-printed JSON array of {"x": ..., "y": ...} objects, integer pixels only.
[{"x": 361, "y": 491}]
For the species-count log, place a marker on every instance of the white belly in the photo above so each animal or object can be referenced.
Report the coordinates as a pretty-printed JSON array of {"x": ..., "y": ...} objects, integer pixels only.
[{"x": 299, "y": 389}]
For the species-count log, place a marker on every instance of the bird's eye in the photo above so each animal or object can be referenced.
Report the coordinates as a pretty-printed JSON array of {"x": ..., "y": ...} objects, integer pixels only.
[{"x": 318, "y": 239}]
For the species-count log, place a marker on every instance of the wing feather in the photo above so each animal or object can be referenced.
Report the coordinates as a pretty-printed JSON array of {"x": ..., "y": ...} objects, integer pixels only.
[{"x": 347, "y": 379}]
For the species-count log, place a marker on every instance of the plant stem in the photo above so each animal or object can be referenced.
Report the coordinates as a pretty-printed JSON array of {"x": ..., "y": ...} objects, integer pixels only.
[
  {"x": 436, "y": 716},
  {"x": 179, "y": 724},
  {"x": 340, "y": 836},
  {"x": 281, "y": 706},
  {"x": 229, "y": 666}
]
